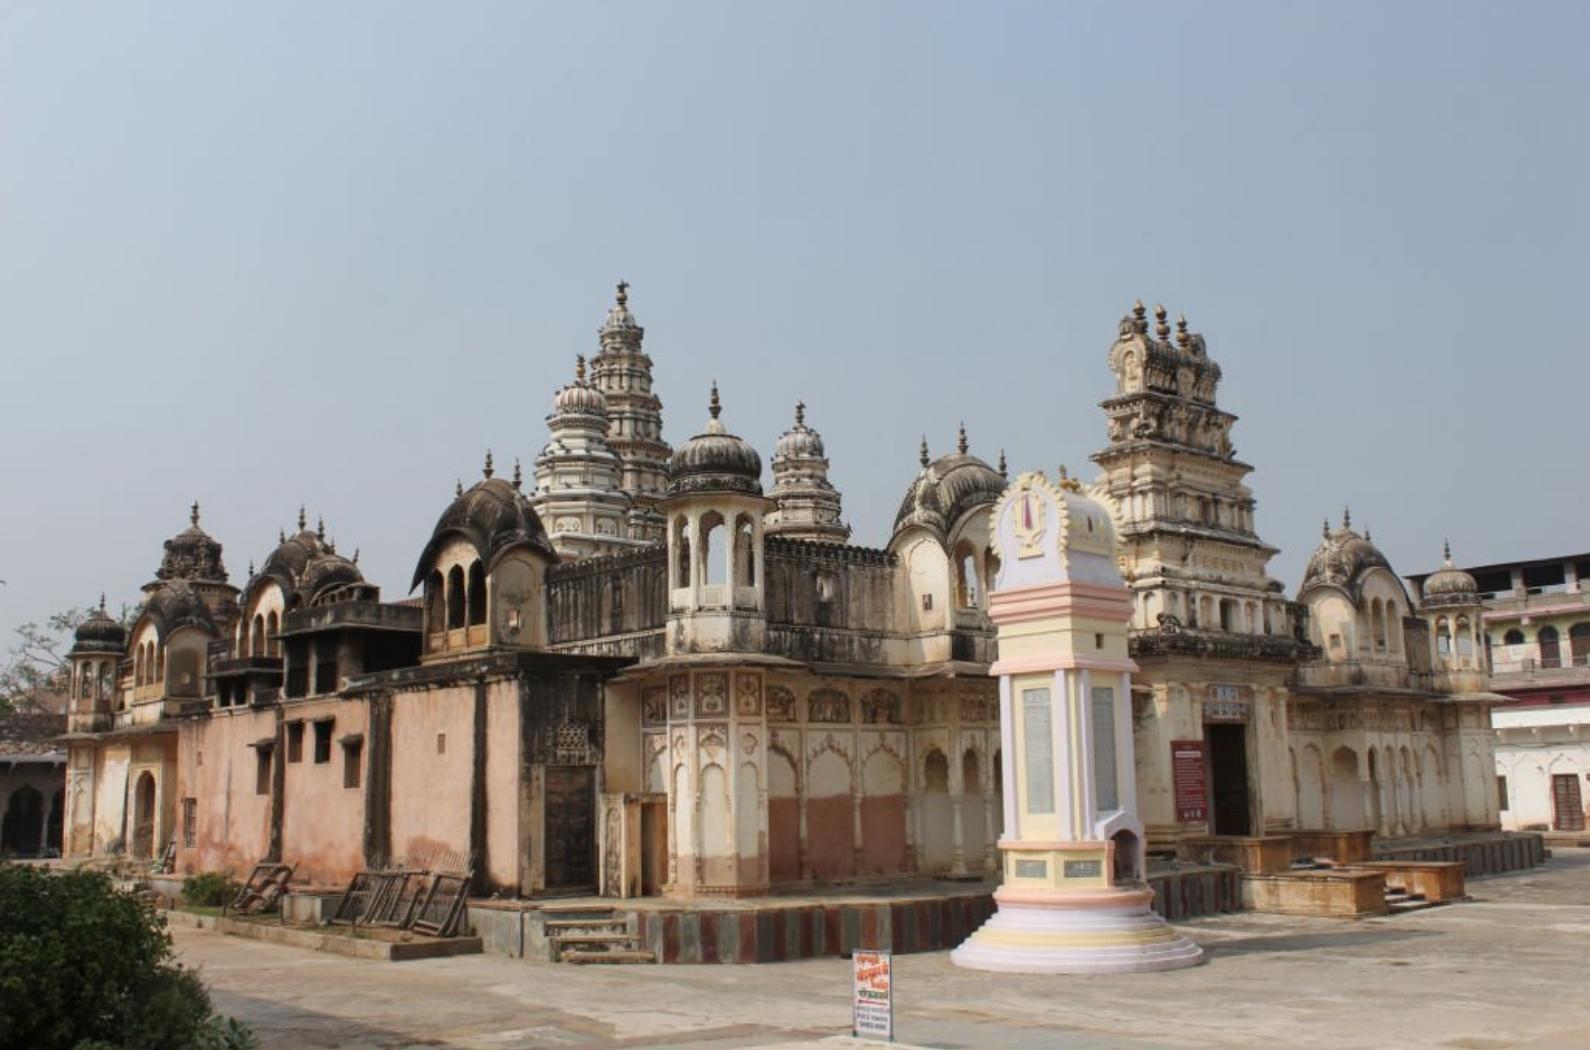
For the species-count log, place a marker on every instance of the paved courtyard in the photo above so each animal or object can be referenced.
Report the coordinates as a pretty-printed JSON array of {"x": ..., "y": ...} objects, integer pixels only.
[{"x": 1506, "y": 970}]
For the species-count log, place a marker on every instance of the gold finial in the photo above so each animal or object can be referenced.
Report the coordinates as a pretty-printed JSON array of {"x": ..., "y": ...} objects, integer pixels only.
[
  {"x": 1067, "y": 482},
  {"x": 960, "y": 440},
  {"x": 800, "y": 413},
  {"x": 623, "y": 293},
  {"x": 303, "y": 519},
  {"x": 1002, "y": 471},
  {"x": 518, "y": 473},
  {"x": 714, "y": 406},
  {"x": 922, "y": 453},
  {"x": 193, "y": 515},
  {"x": 1367, "y": 538},
  {"x": 488, "y": 470}
]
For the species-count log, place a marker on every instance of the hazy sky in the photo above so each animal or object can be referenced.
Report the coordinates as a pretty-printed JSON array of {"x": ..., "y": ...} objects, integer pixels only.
[{"x": 263, "y": 254}]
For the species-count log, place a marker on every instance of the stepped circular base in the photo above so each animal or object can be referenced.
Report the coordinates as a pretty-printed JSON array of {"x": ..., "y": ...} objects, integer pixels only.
[{"x": 1092, "y": 936}]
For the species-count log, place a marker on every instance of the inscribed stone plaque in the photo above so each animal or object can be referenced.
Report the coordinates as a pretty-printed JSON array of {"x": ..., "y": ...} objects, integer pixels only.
[
  {"x": 1105, "y": 777},
  {"x": 1038, "y": 736},
  {"x": 1032, "y": 869},
  {"x": 1082, "y": 869}
]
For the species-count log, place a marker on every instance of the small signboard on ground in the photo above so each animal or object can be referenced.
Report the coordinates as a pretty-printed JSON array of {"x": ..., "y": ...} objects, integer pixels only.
[{"x": 872, "y": 998}]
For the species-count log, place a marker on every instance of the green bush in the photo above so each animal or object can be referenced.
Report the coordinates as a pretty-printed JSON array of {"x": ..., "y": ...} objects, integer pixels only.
[
  {"x": 212, "y": 889},
  {"x": 85, "y": 967}
]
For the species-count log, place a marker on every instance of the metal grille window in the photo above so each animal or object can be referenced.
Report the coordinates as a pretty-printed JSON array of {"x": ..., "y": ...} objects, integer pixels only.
[{"x": 190, "y": 822}]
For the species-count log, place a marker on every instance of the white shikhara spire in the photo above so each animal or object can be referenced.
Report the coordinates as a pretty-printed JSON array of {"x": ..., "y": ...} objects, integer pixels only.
[{"x": 808, "y": 505}]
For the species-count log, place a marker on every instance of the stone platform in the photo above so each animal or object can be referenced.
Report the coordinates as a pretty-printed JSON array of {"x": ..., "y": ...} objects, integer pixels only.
[{"x": 916, "y": 916}]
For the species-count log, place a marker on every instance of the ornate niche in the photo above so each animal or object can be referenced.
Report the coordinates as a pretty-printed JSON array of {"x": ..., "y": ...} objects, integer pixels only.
[
  {"x": 679, "y": 697},
  {"x": 780, "y": 704},
  {"x": 828, "y": 705},
  {"x": 712, "y": 695},
  {"x": 654, "y": 705},
  {"x": 881, "y": 707},
  {"x": 748, "y": 695}
]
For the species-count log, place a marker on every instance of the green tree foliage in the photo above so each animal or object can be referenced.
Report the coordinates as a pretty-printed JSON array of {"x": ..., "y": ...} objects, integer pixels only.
[{"x": 86, "y": 967}]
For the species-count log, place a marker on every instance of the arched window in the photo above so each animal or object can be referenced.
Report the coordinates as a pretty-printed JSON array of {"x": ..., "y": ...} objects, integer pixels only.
[
  {"x": 1377, "y": 623},
  {"x": 1579, "y": 644},
  {"x": 1465, "y": 637},
  {"x": 273, "y": 631},
  {"x": 160, "y": 665},
  {"x": 435, "y": 601},
  {"x": 744, "y": 551},
  {"x": 1513, "y": 637},
  {"x": 477, "y": 594},
  {"x": 965, "y": 576},
  {"x": 1228, "y": 614},
  {"x": 1550, "y": 649},
  {"x": 256, "y": 643},
  {"x": 990, "y": 568},
  {"x": 85, "y": 678},
  {"x": 682, "y": 553},
  {"x": 1443, "y": 637},
  {"x": 710, "y": 558},
  {"x": 138, "y": 666},
  {"x": 455, "y": 598},
  {"x": 1393, "y": 627}
]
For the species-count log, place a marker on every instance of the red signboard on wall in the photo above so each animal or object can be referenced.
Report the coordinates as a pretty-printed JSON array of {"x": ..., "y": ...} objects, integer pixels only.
[{"x": 1188, "y": 773}]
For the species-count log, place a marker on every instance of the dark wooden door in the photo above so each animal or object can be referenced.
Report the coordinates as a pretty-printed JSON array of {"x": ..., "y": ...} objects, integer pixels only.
[
  {"x": 1228, "y": 768},
  {"x": 1566, "y": 804},
  {"x": 653, "y": 846},
  {"x": 571, "y": 827}
]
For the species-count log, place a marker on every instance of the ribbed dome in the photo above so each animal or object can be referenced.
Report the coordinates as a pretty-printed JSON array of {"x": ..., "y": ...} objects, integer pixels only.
[
  {"x": 798, "y": 442},
  {"x": 329, "y": 570},
  {"x": 579, "y": 398},
  {"x": 947, "y": 488},
  {"x": 1341, "y": 560},
  {"x": 494, "y": 516},
  {"x": 620, "y": 331},
  {"x": 715, "y": 461},
  {"x": 176, "y": 605},
  {"x": 192, "y": 554},
  {"x": 1450, "y": 585},
  {"x": 99, "y": 634}
]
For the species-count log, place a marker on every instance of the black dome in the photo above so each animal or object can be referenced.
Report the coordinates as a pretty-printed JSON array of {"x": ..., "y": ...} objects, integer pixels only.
[
  {"x": 99, "y": 634},
  {"x": 176, "y": 605},
  {"x": 492, "y": 515},
  {"x": 715, "y": 461}
]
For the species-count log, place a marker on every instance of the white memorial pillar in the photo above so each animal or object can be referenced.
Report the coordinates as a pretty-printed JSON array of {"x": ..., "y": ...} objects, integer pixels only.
[{"x": 1074, "y": 898}]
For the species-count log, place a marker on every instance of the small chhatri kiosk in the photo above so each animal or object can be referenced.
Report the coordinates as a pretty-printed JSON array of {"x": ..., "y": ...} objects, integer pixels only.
[{"x": 1074, "y": 898}]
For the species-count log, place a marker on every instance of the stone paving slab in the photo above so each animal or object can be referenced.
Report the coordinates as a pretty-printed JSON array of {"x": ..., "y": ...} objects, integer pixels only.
[{"x": 1505, "y": 970}]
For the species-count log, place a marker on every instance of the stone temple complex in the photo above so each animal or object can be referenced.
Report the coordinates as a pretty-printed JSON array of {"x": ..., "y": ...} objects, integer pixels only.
[{"x": 641, "y": 672}]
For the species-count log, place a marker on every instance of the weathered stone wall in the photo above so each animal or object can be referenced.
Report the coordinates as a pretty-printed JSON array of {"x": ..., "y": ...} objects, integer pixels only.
[{"x": 615, "y": 605}]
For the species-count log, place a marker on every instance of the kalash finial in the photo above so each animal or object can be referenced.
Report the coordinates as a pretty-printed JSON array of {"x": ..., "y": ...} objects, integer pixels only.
[
  {"x": 1446, "y": 551},
  {"x": 518, "y": 473},
  {"x": 1002, "y": 471},
  {"x": 623, "y": 293},
  {"x": 714, "y": 406},
  {"x": 102, "y": 602},
  {"x": 1367, "y": 537},
  {"x": 193, "y": 515},
  {"x": 961, "y": 444},
  {"x": 251, "y": 568},
  {"x": 303, "y": 518},
  {"x": 1325, "y": 529},
  {"x": 800, "y": 413},
  {"x": 1347, "y": 517},
  {"x": 356, "y": 555},
  {"x": 579, "y": 369},
  {"x": 922, "y": 453},
  {"x": 320, "y": 529},
  {"x": 458, "y": 487},
  {"x": 1182, "y": 338},
  {"x": 1161, "y": 327},
  {"x": 281, "y": 534},
  {"x": 487, "y": 470}
]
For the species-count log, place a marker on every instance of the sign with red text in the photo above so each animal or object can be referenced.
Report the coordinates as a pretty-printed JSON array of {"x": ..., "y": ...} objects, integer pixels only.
[
  {"x": 872, "y": 999},
  {"x": 1188, "y": 774}
]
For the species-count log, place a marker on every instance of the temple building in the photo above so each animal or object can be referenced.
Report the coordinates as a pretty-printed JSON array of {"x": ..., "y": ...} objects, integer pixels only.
[{"x": 650, "y": 675}]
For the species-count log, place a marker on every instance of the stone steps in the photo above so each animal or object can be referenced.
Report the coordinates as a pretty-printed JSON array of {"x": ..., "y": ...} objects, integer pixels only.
[
  {"x": 593, "y": 935},
  {"x": 1399, "y": 900}
]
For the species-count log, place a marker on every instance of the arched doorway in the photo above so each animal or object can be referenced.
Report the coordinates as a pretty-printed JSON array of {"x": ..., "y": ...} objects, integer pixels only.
[
  {"x": 24, "y": 820},
  {"x": 143, "y": 837},
  {"x": 53, "y": 831}
]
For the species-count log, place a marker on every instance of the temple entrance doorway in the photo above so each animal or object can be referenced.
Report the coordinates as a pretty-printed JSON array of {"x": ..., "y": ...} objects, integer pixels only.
[
  {"x": 1228, "y": 778},
  {"x": 143, "y": 841},
  {"x": 653, "y": 845},
  {"x": 1567, "y": 806},
  {"x": 571, "y": 828}
]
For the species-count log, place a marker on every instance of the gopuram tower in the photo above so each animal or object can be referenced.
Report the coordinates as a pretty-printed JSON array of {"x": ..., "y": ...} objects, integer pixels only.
[
  {"x": 1214, "y": 635},
  {"x": 621, "y": 371}
]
